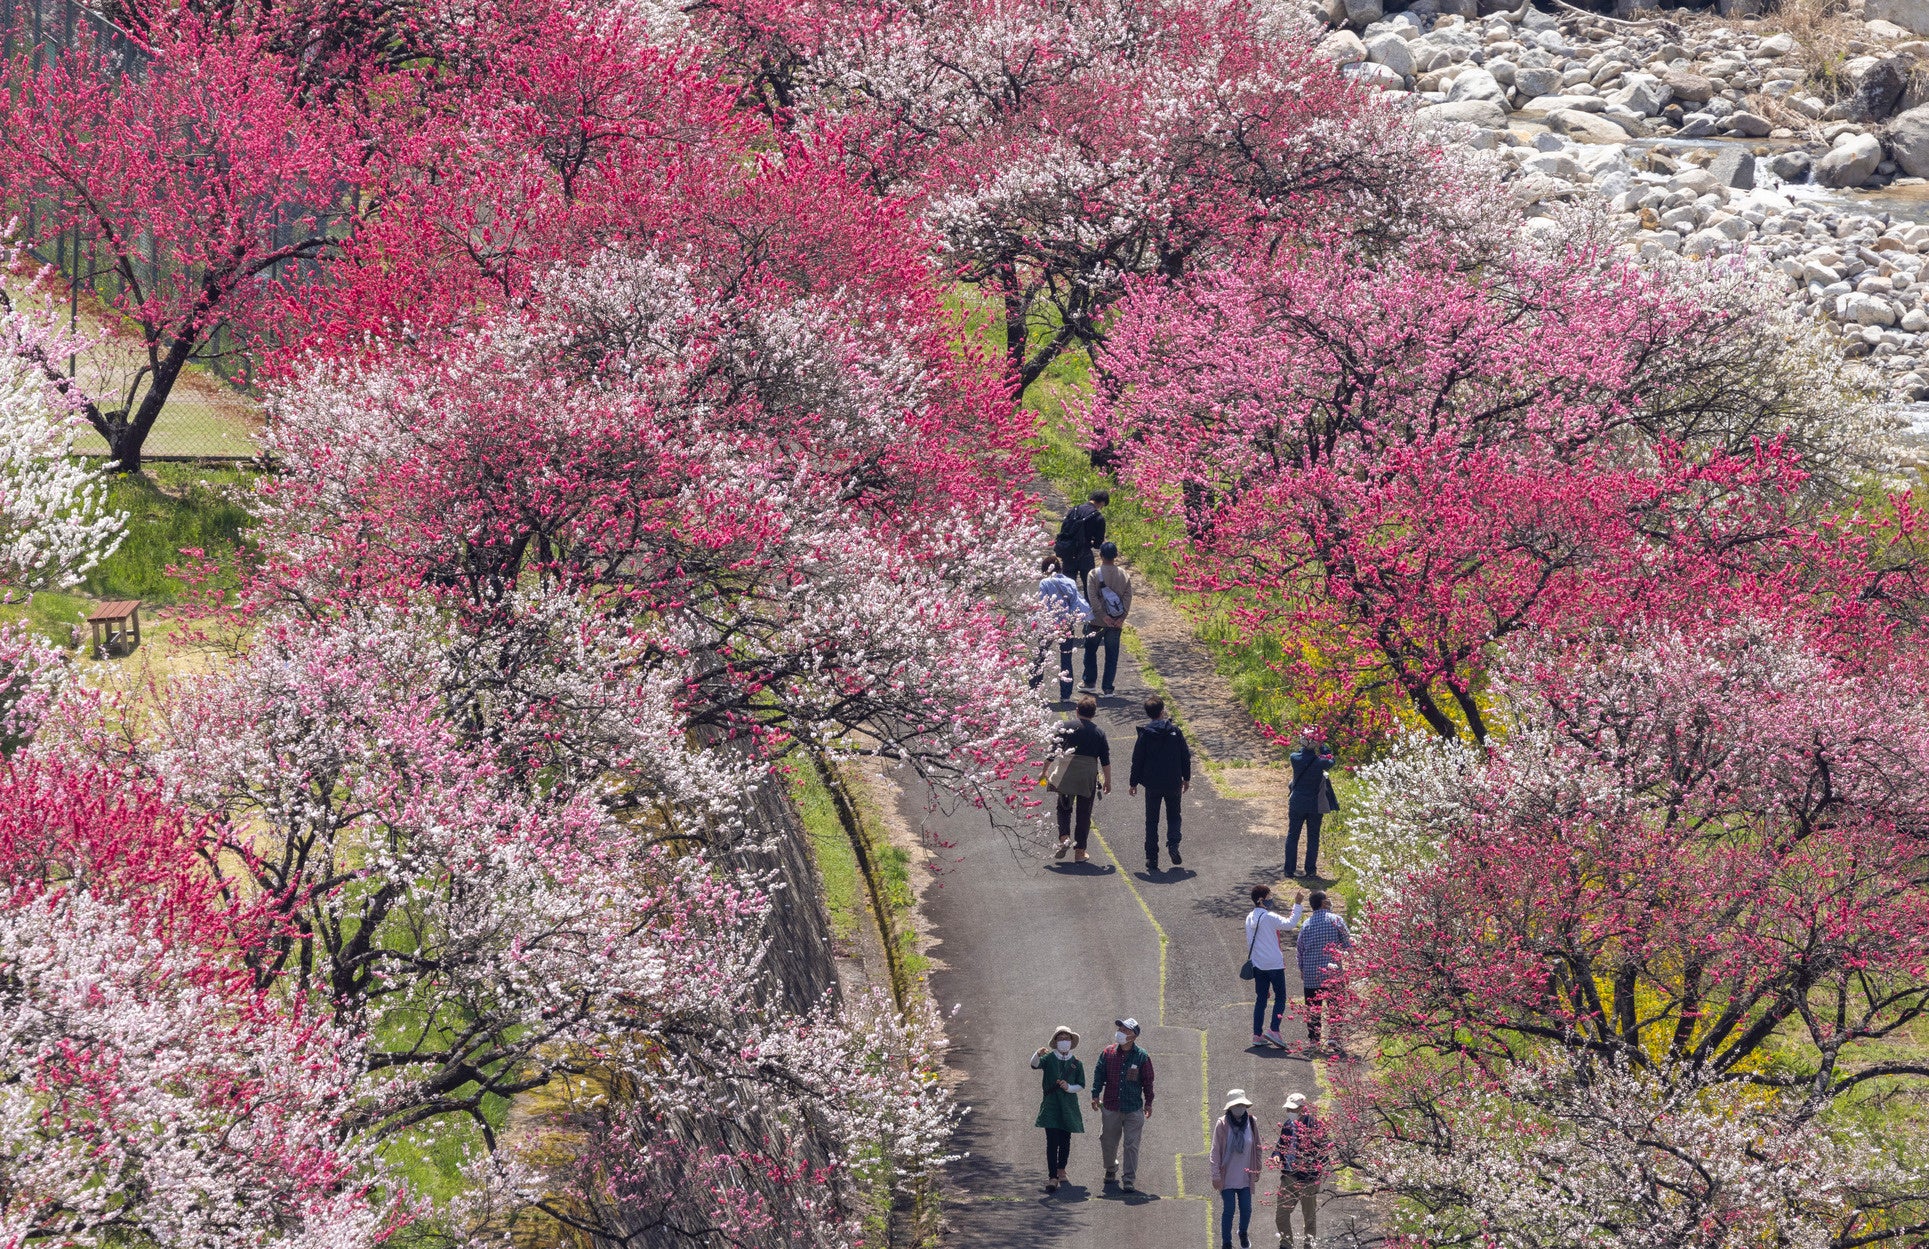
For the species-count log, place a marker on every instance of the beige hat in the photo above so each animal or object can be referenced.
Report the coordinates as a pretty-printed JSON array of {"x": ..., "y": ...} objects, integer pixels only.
[
  {"x": 1062, "y": 1030},
  {"x": 1295, "y": 1101},
  {"x": 1236, "y": 1097}
]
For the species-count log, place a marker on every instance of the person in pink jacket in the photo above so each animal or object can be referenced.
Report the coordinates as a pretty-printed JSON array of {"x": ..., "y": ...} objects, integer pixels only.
[{"x": 1236, "y": 1162}]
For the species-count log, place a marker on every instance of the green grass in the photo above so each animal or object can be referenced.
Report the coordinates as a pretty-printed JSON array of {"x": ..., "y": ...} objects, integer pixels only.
[{"x": 838, "y": 872}]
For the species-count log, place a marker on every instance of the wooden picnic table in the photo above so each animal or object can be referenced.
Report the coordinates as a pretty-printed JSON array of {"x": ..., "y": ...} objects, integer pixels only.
[{"x": 120, "y": 620}]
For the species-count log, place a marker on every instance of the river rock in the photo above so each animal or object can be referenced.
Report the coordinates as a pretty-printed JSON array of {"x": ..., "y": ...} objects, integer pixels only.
[
  {"x": 1585, "y": 127},
  {"x": 1850, "y": 162},
  {"x": 1789, "y": 166},
  {"x": 1391, "y": 51},
  {"x": 1533, "y": 80},
  {"x": 1342, "y": 47},
  {"x": 1363, "y": 13},
  {"x": 1749, "y": 125},
  {"x": 1911, "y": 15},
  {"x": 1690, "y": 88},
  {"x": 1486, "y": 114},
  {"x": 1644, "y": 93},
  {"x": 1908, "y": 137},
  {"x": 1733, "y": 167},
  {"x": 1865, "y": 309},
  {"x": 1877, "y": 90},
  {"x": 1475, "y": 84}
]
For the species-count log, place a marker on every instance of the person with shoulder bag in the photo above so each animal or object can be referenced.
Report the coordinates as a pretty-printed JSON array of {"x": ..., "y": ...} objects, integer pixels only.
[
  {"x": 1109, "y": 592},
  {"x": 1080, "y": 770},
  {"x": 1081, "y": 534},
  {"x": 1266, "y": 963},
  {"x": 1065, "y": 612}
]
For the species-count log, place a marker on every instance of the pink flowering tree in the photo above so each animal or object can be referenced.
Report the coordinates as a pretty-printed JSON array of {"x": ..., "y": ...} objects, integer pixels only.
[
  {"x": 151, "y": 1092},
  {"x": 1640, "y": 972},
  {"x": 187, "y": 188},
  {"x": 1390, "y": 468},
  {"x": 1057, "y": 150}
]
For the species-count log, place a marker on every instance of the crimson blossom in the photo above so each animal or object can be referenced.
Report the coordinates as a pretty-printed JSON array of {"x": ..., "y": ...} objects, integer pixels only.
[
  {"x": 1390, "y": 468},
  {"x": 1639, "y": 975},
  {"x": 188, "y": 179},
  {"x": 150, "y": 1091}
]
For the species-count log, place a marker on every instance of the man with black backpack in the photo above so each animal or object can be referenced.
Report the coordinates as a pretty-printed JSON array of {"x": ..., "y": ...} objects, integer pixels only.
[
  {"x": 1109, "y": 591},
  {"x": 1080, "y": 535}
]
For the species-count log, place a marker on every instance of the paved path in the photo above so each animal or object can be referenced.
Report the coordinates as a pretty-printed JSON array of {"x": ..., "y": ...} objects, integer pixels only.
[{"x": 1025, "y": 943}]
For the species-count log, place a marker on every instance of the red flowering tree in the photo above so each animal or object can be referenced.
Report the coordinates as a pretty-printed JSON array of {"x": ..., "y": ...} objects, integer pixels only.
[
  {"x": 1056, "y": 150},
  {"x": 1390, "y": 468},
  {"x": 1638, "y": 975},
  {"x": 189, "y": 182},
  {"x": 150, "y": 1090}
]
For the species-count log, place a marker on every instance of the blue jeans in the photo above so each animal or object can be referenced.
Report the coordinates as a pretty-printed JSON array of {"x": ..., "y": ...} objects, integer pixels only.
[
  {"x": 1228, "y": 1197},
  {"x": 1274, "y": 980}
]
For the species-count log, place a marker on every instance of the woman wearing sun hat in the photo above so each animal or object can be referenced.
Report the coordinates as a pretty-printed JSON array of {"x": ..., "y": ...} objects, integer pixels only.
[
  {"x": 1236, "y": 1162},
  {"x": 1058, "y": 1114}
]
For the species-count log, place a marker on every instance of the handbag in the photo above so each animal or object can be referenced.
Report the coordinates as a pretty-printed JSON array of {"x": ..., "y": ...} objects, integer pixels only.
[
  {"x": 1328, "y": 801},
  {"x": 1247, "y": 971},
  {"x": 1055, "y": 773}
]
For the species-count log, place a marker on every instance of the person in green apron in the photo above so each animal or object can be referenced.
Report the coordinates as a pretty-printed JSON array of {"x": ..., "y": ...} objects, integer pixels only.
[{"x": 1058, "y": 1114}]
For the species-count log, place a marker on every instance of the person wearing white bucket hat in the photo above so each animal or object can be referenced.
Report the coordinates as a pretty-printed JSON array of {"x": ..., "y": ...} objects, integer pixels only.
[
  {"x": 1301, "y": 1154},
  {"x": 1063, "y": 1079},
  {"x": 1235, "y": 1165}
]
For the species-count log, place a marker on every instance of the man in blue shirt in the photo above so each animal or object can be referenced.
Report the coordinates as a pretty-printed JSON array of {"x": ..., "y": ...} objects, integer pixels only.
[{"x": 1320, "y": 938}]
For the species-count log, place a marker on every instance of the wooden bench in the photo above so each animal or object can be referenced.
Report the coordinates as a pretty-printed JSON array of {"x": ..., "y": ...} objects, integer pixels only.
[{"x": 121, "y": 623}]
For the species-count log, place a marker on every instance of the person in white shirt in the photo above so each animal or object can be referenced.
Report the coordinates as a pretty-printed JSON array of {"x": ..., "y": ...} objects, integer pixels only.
[{"x": 1266, "y": 950}]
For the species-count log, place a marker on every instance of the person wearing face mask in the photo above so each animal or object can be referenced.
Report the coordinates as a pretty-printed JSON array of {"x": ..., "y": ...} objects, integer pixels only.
[
  {"x": 1058, "y": 1114},
  {"x": 1235, "y": 1165},
  {"x": 1122, "y": 1093},
  {"x": 1301, "y": 1154}
]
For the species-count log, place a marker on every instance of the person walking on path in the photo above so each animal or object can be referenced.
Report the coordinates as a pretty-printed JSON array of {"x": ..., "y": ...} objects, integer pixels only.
[
  {"x": 1311, "y": 799},
  {"x": 1301, "y": 1154},
  {"x": 1319, "y": 938},
  {"x": 1077, "y": 774},
  {"x": 1162, "y": 762},
  {"x": 1065, "y": 610},
  {"x": 1266, "y": 950},
  {"x": 1235, "y": 1165},
  {"x": 1064, "y": 1080},
  {"x": 1122, "y": 1094},
  {"x": 1109, "y": 591},
  {"x": 1081, "y": 534}
]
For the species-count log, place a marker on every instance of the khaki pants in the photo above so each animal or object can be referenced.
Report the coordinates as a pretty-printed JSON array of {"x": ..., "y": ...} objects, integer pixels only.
[
  {"x": 1126, "y": 1125},
  {"x": 1304, "y": 1195}
]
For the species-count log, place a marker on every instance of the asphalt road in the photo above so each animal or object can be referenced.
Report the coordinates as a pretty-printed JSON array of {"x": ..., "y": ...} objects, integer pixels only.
[{"x": 1025, "y": 943}]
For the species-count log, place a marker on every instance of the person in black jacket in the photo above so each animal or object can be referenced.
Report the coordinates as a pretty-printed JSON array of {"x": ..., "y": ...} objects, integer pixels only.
[
  {"x": 1080, "y": 536},
  {"x": 1162, "y": 762},
  {"x": 1311, "y": 799}
]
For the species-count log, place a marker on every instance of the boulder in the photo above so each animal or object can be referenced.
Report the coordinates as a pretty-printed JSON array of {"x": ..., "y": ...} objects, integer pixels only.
[
  {"x": 1865, "y": 309},
  {"x": 1644, "y": 93},
  {"x": 1877, "y": 90},
  {"x": 1537, "y": 188},
  {"x": 1332, "y": 12},
  {"x": 1908, "y": 140},
  {"x": 1536, "y": 81},
  {"x": 1483, "y": 113},
  {"x": 1880, "y": 29},
  {"x": 1585, "y": 127},
  {"x": 1697, "y": 125},
  {"x": 1373, "y": 74},
  {"x": 1778, "y": 45},
  {"x": 1733, "y": 167},
  {"x": 1850, "y": 162},
  {"x": 1738, "y": 8},
  {"x": 1476, "y": 84},
  {"x": 1702, "y": 242},
  {"x": 1749, "y": 125},
  {"x": 1688, "y": 88},
  {"x": 1626, "y": 118},
  {"x": 1342, "y": 47},
  {"x": 1789, "y": 166},
  {"x": 1391, "y": 51},
  {"x": 1911, "y": 15},
  {"x": 1363, "y": 13}
]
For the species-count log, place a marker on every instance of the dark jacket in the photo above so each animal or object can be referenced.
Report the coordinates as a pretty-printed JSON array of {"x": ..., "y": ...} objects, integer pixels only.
[
  {"x": 1083, "y": 737},
  {"x": 1122, "y": 1079},
  {"x": 1309, "y": 780},
  {"x": 1079, "y": 537},
  {"x": 1301, "y": 1151},
  {"x": 1161, "y": 758}
]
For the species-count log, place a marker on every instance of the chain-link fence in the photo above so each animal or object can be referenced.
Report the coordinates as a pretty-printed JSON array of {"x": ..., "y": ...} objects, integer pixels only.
[{"x": 206, "y": 416}]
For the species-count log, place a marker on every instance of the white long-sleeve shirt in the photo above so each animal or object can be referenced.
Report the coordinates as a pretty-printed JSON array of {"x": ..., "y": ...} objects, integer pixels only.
[{"x": 1264, "y": 931}]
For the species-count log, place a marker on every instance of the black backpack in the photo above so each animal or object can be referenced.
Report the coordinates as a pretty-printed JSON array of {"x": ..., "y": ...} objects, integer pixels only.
[{"x": 1072, "y": 541}]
